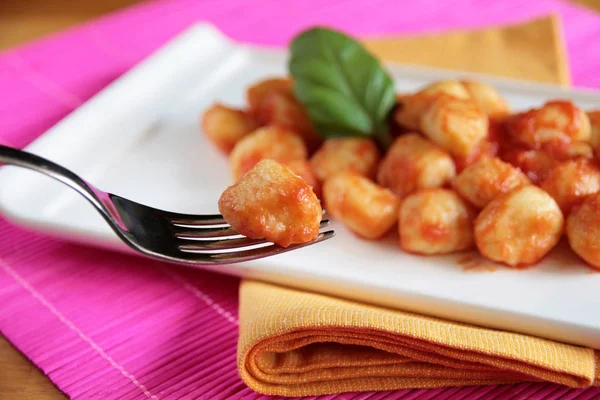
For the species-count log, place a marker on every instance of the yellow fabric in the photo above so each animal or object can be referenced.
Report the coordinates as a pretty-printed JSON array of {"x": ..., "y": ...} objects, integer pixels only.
[
  {"x": 531, "y": 51},
  {"x": 295, "y": 343}
]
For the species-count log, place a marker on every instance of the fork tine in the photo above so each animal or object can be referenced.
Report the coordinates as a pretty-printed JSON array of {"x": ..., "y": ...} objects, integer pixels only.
[
  {"x": 196, "y": 220},
  {"x": 199, "y": 245},
  {"x": 202, "y": 220},
  {"x": 253, "y": 254},
  {"x": 209, "y": 233},
  {"x": 190, "y": 233}
]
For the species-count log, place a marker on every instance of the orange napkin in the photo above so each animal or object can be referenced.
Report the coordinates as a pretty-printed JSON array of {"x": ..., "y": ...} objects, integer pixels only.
[
  {"x": 532, "y": 51},
  {"x": 296, "y": 343}
]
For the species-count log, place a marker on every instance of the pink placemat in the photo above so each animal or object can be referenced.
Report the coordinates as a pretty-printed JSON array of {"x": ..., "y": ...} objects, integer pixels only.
[{"x": 108, "y": 326}]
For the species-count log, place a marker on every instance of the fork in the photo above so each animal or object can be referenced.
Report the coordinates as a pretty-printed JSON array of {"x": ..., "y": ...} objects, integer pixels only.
[{"x": 159, "y": 234}]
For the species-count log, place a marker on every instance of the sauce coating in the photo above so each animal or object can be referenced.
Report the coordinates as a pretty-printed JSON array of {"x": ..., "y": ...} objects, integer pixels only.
[
  {"x": 413, "y": 163},
  {"x": 435, "y": 221},
  {"x": 225, "y": 126},
  {"x": 519, "y": 227},
  {"x": 359, "y": 155},
  {"x": 583, "y": 230},
  {"x": 570, "y": 182},
  {"x": 486, "y": 179},
  {"x": 367, "y": 209},
  {"x": 271, "y": 142},
  {"x": 271, "y": 202}
]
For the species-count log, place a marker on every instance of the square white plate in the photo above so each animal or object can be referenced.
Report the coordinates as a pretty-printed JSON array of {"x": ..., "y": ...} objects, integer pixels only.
[{"x": 140, "y": 138}]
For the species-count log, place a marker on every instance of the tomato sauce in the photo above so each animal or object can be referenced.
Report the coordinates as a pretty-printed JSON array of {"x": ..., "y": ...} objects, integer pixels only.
[
  {"x": 534, "y": 158},
  {"x": 473, "y": 263},
  {"x": 466, "y": 260},
  {"x": 481, "y": 266},
  {"x": 435, "y": 232}
]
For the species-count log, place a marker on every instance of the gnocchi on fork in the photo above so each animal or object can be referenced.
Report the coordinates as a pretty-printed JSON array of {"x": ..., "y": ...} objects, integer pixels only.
[{"x": 164, "y": 235}]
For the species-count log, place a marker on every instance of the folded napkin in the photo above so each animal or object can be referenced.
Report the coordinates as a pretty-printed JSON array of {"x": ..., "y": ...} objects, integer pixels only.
[
  {"x": 530, "y": 51},
  {"x": 296, "y": 343}
]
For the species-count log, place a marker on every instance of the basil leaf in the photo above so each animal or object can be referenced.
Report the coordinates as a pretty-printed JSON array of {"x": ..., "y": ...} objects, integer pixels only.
[{"x": 344, "y": 88}]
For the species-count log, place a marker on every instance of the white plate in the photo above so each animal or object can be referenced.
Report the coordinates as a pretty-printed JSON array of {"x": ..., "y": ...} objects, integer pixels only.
[{"x": 140, "y": 138}]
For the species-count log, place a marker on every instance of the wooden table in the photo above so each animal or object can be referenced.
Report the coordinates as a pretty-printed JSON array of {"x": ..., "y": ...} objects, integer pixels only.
[
  {"x": 21, "y": 21},
  {"x": 24, "y": 20}
]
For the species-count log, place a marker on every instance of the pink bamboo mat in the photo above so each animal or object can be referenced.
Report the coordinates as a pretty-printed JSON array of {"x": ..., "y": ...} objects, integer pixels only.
[{"x": 108, "y": 326}]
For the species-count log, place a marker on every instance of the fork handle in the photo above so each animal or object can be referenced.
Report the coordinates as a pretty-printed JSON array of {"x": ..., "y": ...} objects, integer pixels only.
[{"x": 20, "y": 158}]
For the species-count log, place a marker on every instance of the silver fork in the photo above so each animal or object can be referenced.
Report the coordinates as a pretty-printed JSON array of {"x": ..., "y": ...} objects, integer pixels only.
[{"x": 159, "y": 234}]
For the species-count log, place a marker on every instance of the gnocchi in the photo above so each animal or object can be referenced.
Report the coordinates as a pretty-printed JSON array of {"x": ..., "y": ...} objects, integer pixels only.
[
  {"x": 562, "y": 151},
  {"x": 411, "y": 107},
  {"x": 367, "y": 209},
  {"x": 578, "y": 149},
  {"x": 485, "y": 148},
  {"x": 594, "y": 117},
  {"x": 457, "y": 125},
  {"x": 257, "y": 93},
  {"x": 412, "y": 163},
  {"x": 281, "y": 108},
  {"x": 559, "y": 121},
  {"x": 408, "y": 111},
  {"x": 273, "y": 203},
  {"x": 486, "y": 179},
  {"x": 487, "y": 98},
  {"x": 463, "y": 172},
  {"x": 225, "y": 126},
  {"x": 272, "y": 142},
  {"x": 535, "y": 164},
  {"x": 435, "y": 221},
  {"x": 360, "y": 155},
  {"x": 453, "y": 88},
  {"x": 519, "y": 227},
  {"x": 583, "y": 230},
  {"x": 571, "y": 181},
  {"x": 303, "y": 169}
]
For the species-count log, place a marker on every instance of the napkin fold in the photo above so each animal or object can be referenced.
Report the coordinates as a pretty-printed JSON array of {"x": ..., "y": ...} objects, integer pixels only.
[{"x": 296, "y": 343}]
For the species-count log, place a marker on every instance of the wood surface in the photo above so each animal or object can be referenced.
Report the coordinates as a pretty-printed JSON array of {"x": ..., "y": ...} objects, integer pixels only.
[{"x": 20, "y": 22}]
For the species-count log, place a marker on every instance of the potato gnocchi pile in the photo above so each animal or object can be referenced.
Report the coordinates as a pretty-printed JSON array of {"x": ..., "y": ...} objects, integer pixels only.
[{"x": 463, "y": 172}]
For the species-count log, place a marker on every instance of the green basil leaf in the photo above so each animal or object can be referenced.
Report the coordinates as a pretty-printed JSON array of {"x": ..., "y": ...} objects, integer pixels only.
[{"x": 344, "y": 88}]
